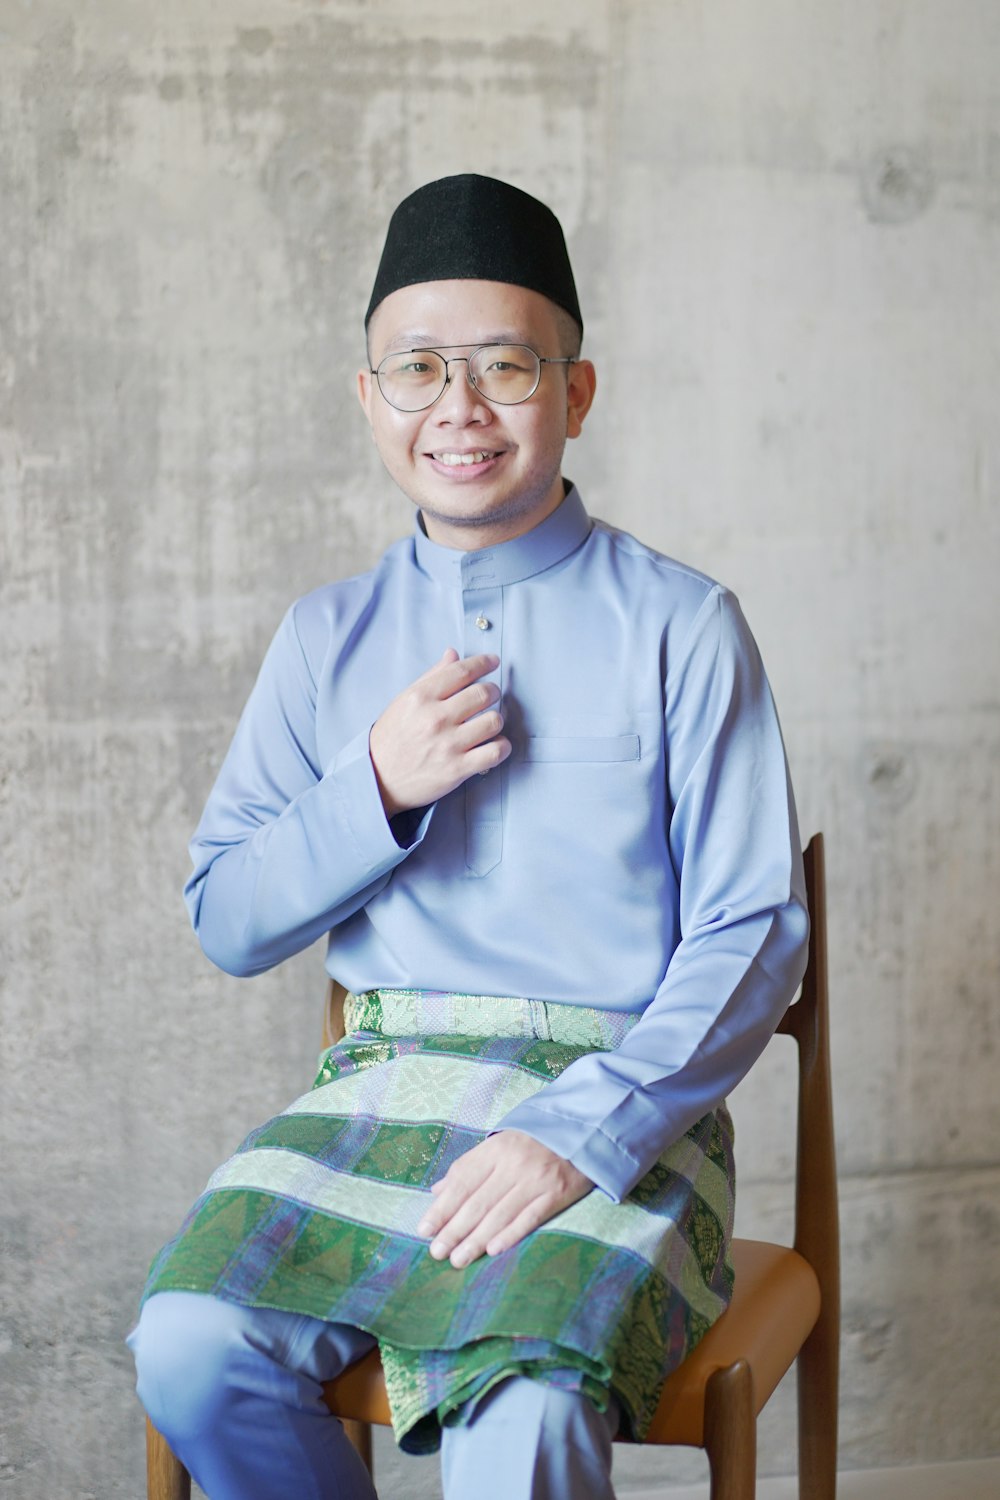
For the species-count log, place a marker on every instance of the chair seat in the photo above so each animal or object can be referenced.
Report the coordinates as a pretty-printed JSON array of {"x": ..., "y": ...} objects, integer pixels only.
[
  {"x": 774, "y": 1307},
  {"x": 359, "y": 1394}
]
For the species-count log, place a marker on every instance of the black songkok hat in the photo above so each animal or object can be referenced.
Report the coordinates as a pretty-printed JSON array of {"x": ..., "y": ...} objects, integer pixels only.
[{"x": 477, "y": 229}]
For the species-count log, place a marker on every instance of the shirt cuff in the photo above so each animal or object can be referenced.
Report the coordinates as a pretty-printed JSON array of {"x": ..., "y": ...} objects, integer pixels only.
[{"x": 379, "y": 844}]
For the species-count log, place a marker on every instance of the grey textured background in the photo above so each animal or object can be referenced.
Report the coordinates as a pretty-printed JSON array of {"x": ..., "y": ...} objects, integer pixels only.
[{"x": 786, "y": 225}]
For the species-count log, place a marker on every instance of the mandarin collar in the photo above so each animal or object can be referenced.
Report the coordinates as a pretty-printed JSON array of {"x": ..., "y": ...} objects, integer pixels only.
[{"x": 507, "y": 562}]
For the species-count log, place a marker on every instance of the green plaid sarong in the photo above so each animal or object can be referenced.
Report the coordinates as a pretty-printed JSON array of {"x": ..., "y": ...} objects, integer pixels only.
[{"x": 317, "y": 1211}]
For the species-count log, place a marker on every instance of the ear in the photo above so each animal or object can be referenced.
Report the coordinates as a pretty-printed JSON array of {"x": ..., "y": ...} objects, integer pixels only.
[
  {"x": 581, "y": 383},
  {"x": 366, "y": 387}
]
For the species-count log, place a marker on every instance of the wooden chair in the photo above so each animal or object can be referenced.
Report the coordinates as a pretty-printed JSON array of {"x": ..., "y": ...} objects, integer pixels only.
[{"x": 785, "y": 1309}]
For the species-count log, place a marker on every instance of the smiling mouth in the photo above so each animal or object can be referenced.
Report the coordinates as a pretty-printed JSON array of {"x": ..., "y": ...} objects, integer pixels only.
[{"x": 456, "y": 460}]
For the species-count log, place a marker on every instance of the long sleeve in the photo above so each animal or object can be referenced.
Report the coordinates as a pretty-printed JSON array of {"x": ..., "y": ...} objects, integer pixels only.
[
  {"x": 734, "y": 843},
  {"x": 287, "y": 848}
]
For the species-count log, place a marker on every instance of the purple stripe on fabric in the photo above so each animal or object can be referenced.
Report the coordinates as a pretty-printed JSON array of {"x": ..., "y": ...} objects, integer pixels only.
[
  {"x": 386, "y": 1272},
  {"x": 254, "y": 1260},
  {"x": 490, "y": 1276},
  {"x": 455, "y": 1142},
  {"x": 617, "y": 1280}
]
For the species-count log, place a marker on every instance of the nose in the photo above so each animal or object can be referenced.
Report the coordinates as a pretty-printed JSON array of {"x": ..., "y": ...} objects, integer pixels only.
[{"x": 460, "y": 401}]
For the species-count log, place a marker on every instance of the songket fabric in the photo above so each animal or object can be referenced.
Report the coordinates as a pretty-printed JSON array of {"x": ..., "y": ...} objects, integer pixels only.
[{"x": 317, "y": 1213}]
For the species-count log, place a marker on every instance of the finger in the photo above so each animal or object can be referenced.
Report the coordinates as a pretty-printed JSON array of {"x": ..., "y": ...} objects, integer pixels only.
[
  {"x": 434, "y": 1217},
  {"x": 486, "y": 757},
  {"x": 463, "y": 1217},
  {"x": 448, "y": 658},
  {"x": 495, "y": 1225},
  {"x": 458, "y": 674},
  {"x": 531, "y": 1217},
  {"x": 478, "y": 730},
  {"x": 450, "y": 1192},
  {"x": 470, "y": 701},
  {"x": 467, "y": 1236},
  {"x": 449, "y": 1223}
]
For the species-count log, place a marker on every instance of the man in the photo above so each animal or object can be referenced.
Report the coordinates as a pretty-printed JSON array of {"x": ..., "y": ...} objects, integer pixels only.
[{"x": 525, "y": 756}]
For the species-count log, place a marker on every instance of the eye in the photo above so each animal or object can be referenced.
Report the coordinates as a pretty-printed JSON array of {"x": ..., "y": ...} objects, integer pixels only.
[{"x": 506, "y": 360}]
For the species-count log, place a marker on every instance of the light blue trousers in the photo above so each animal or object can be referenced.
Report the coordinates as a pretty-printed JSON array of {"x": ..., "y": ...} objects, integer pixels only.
[{"x": 236, "y": 1392}]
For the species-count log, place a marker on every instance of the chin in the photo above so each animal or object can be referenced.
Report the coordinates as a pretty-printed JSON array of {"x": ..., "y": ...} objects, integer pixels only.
[{"x": 490, "y": 515}]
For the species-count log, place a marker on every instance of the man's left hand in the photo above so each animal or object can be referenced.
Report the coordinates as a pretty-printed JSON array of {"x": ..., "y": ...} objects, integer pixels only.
[{"x": 497, "y": 1193}]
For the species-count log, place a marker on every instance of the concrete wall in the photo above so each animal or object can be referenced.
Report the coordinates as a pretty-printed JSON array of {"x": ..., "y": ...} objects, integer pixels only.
[{"x": 786, "y": 224}]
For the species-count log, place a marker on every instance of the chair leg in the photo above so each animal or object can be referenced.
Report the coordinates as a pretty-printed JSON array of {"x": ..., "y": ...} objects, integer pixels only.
[
  {"x": 359, "y": 1435},
  {"x": 817, "y": 1375},
  {"x": 166, "y": 1476},
  {"x": 731, "y": 1432}
]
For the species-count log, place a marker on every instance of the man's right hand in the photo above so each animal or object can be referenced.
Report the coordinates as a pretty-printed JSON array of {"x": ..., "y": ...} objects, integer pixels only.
[{"x": 441, "y": 730}]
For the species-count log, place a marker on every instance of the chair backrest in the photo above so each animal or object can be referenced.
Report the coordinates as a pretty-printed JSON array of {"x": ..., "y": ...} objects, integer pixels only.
[{"x": 807, "y": 1019}]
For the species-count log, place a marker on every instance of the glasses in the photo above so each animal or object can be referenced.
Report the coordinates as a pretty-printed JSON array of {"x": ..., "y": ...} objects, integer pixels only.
[{"x": 506, "y": 374}]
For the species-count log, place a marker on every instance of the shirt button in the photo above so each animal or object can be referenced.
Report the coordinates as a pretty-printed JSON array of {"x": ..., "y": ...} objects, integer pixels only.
[{"x": 482, "y": 623}]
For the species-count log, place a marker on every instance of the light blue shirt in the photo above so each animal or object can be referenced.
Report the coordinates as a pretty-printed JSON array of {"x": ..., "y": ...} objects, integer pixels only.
[{"x": 638, "y": 850}]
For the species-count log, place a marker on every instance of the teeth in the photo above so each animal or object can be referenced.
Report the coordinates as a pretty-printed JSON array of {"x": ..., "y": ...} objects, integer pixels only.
[{"x": 479, "y": 457}]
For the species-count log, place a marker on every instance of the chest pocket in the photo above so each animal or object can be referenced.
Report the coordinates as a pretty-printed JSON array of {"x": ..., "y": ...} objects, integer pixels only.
[{"x": 592, "y": 749}]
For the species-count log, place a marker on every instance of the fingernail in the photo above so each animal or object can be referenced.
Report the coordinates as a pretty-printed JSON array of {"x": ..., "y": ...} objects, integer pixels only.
[{"x": 438, "y": 1251}]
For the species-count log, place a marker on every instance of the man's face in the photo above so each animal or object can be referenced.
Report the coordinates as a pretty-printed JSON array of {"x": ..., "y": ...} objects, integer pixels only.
[{"x": 514, "y": 480}]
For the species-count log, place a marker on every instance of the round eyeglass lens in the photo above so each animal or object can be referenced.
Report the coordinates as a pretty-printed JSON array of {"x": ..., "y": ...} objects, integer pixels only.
[
  {"x": 506, "y": 373},
  {"x": 412, "y": 380}
]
